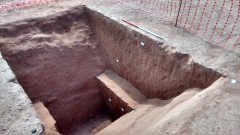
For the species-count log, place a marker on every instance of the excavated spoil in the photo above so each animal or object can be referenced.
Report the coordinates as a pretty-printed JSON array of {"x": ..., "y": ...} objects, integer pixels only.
[{"x": 56, "y": 60}]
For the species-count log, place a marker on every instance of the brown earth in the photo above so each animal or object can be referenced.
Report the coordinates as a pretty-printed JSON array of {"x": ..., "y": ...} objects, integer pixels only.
[
  {"x": 217, "y": 107},
  {"x": 155, "y": 69},
  {"x": 120, "y": 96},
  {"x": 56, "y": 61},
  {"x": 149, "y": 113},
  {"x": 94, "y": 125},
  {"x": 47, "y": 120}
]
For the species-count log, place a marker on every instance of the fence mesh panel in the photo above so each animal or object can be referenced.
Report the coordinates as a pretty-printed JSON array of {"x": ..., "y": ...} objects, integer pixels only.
[{"x": 215, "y": 21}]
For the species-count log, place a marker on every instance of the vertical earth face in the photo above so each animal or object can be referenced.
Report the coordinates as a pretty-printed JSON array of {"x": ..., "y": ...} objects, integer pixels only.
[
  {"x": 155, "y": 70},
  {"x": 56, "y": 61}
]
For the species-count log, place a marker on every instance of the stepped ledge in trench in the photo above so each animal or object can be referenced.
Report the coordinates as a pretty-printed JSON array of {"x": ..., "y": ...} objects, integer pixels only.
[
  {"x": 219, "y": 92},
  {"x": 212, "y": 110},
  {"x": 119, "y": 95}
]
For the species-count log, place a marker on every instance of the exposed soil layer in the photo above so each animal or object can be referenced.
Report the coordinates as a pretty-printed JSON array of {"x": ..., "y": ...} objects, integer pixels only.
[
  {"x": 94, "y": 125},
  {"x": 154, "y": 68},
  {"x": 151, "y": 113},
  {"x": 119, "y": 95},
  {"x": 47, "y": 120},
  {"x": 56, "y": 60}
]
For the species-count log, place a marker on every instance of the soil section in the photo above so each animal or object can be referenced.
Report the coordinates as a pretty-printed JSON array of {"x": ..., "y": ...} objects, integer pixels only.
[
  {"x": 56, "y": 60},
  {"x": 155, "y": 69},
  {"x": 94, "y": 125}
]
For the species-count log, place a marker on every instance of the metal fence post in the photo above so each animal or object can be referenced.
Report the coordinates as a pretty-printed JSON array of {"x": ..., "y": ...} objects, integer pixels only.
[{"x": 178, "y": 12}]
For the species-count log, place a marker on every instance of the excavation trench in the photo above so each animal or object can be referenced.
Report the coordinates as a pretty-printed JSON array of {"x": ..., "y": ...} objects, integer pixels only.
[{"x": 56, "y": 60}]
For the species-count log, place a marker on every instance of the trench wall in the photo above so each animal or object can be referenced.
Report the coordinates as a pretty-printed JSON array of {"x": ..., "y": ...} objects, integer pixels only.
[
  {"x": 56, "y": 61},
  {"x": 155, "y": 68}
]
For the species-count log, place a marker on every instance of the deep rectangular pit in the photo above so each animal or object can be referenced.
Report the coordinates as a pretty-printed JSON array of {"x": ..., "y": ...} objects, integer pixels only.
[{"x": 57, "y": 58}]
